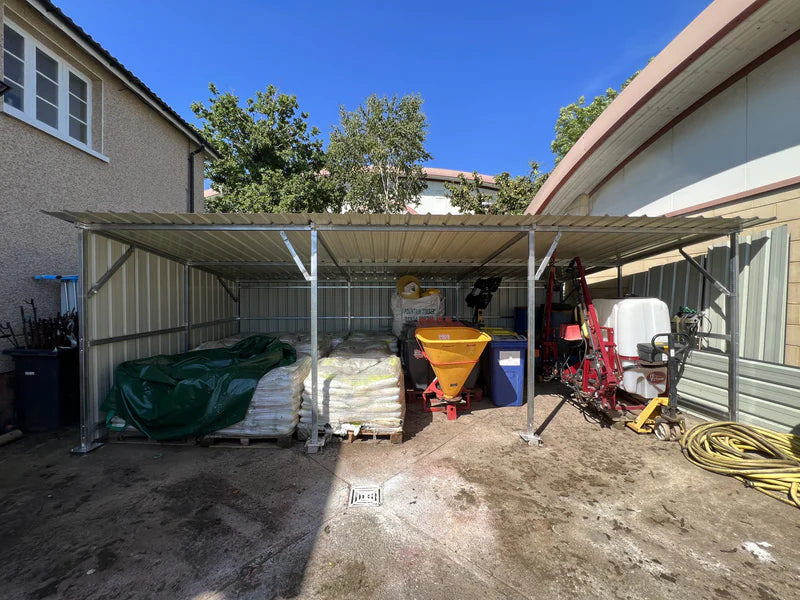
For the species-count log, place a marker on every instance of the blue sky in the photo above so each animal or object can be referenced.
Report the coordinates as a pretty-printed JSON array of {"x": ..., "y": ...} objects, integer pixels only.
[{"x": 493, "y": 74}]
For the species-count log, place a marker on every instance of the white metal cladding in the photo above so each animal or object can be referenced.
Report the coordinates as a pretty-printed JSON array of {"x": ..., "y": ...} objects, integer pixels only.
[
  {"x": 283, "y": 306},
  {"x": 145, "y": 295},
  {"x": 763, "y": 289},
  {"x": 249, "y": 246},
  {"x": 769, "y": 394},
  {"x": 212, "y": 308}
]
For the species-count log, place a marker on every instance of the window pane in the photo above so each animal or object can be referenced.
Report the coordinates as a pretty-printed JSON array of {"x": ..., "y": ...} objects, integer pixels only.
[
  {"x": 14, "y": 69},
  {"x": 46, "y": 65},
  {"x": 77, "y": 108},
  {"x": 13, "y": 42},
  {"x": 46, "y": 89},
  {"x": 46, "y": 113},
  {"x": 77, "y": 86},
  {"x": 77, "y": 130},
  {"x": 13, "y": 97}
]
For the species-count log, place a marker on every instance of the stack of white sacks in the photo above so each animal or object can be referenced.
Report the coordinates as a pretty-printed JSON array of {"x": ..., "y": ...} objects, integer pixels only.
[
  {"x": 302, "y": 342},
  {"x": 273, "y": 411},
  {"x": 358, "y": 386}
]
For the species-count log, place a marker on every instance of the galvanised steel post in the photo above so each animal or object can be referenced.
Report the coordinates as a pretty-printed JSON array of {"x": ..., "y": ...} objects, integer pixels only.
[
  {"x": 733, "y": 329},
  {"x": 314, "y": 346},
  {"x": 531, "y": 388},
  {"x": 89, "y": 415}
]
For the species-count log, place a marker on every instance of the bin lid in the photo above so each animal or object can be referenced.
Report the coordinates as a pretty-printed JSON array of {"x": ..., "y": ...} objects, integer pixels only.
[
  {"x": 509, "y": 337},
  {"x": 497, "y": 331}
]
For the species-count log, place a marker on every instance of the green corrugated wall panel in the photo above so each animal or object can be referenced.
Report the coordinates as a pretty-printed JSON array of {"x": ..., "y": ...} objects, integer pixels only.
[
  {"x": 769, "y": 394},
  {"x": 763, "y": 288},
  {"x": 777, "y": 298}
]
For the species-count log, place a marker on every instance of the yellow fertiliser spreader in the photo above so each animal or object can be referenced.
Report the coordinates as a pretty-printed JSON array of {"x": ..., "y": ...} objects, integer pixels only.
[{"x": 453, "y": 351}]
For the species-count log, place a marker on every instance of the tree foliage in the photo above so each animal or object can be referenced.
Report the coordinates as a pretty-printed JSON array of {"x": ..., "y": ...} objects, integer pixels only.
[
  {"x": 514, "y": 194},
  {"x": 270, "y": 159},
  {"x": 376, "y": 154},
  {"x": 575, "y": 118}
]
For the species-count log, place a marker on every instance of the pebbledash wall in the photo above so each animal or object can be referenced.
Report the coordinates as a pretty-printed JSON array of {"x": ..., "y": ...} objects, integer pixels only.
[
  {"x": 137, "y": 161},
  {"x": 736, "y": 155}
]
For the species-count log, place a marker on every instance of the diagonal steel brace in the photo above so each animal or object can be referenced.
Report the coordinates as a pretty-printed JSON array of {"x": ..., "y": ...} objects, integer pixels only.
[
  {"x": 110, "y": 273},
  {"x": 705, "y": 273}
]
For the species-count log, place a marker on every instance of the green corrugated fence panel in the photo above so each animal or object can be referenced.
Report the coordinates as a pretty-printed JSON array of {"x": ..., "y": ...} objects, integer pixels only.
[
  {"x": 769, "y": 394},
  {"x": 763, "y": 288},
  {"x": 776, "y": 300}
]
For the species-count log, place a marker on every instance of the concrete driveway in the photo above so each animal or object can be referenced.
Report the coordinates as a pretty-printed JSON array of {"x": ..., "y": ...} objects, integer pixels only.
[{"x": 469, "y": 512}]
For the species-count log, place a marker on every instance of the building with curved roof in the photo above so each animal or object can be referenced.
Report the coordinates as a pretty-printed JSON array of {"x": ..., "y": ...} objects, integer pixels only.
[{"x": 709, "y": 127}]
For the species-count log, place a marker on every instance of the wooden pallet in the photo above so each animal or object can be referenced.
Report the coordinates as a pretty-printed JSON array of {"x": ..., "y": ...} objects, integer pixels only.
[
  {"x": 134, "y": 436},
  {"x": 394, "y": 437},
  {"x": 281, "y": 441}
]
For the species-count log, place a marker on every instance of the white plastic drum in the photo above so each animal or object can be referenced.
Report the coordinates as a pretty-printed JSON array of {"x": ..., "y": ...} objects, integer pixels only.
[{"x": 636, "y": 321}]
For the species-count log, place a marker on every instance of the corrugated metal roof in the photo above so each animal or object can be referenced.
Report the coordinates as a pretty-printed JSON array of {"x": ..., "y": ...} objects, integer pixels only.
[{"x": 249, "y": 246}]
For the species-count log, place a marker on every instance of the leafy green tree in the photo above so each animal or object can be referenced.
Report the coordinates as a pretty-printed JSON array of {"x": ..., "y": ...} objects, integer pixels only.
[
  {"x": 513, "y": 196},
  {"x": 576, "y": 118},
  {"x": 270, "y": 159},
  {"x": 376, "y": 154}
]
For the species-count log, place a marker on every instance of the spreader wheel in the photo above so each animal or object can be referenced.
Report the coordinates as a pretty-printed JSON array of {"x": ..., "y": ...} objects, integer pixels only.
[{"x": 662, "y": 431}]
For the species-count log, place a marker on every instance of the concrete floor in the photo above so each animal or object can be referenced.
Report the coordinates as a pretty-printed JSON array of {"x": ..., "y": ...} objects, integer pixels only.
[{"x": 469, "y": 512}]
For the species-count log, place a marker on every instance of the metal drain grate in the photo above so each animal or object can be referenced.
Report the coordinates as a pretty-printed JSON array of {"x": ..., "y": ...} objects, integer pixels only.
[{"x": 366, "y": 496}]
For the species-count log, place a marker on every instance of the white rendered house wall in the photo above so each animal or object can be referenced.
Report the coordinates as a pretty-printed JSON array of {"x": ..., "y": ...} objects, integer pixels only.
[
  {"x": 434, "y": 201},
  {"x": 746, "y": 137}
]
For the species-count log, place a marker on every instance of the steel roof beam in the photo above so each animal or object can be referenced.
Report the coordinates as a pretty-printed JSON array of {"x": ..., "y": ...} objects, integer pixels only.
[
  {"x": 321, "y": 240},
  {"x": 494, "y": 255}
]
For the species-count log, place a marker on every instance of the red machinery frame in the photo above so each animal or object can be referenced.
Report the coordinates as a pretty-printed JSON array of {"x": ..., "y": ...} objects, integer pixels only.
[
  {"x": 549, "y": 344},
  {"x": 597, "y": 375}
]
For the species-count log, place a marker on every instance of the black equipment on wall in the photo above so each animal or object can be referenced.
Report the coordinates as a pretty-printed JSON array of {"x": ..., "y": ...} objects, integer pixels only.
[{"x": 481, "y": 295}]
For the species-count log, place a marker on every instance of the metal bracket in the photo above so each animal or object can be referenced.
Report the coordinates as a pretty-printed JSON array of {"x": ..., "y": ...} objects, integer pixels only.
[
  {"x": 705, "y": 273},
  {"x": 225, "y": 287},
  {"x": 110, "y": 273},
  {"x": 531, "y": 439},
  {"x": 86, "y": 449},
  {"x": 548, "y": 256},
  {"x": 296, "y": 258},
  {"x": 324, "y": 434}
]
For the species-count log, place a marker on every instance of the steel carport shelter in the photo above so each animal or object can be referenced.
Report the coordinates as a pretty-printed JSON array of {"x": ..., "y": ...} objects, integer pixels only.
[{"x": 266, "y": 247}]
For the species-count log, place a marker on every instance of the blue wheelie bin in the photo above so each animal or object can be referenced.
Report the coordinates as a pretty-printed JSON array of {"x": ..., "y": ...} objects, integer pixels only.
[{"x": 506, "y": 369}]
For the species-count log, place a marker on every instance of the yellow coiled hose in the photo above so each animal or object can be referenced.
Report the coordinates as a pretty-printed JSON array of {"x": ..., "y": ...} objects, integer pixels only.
[{"x": 760, "y": 458}]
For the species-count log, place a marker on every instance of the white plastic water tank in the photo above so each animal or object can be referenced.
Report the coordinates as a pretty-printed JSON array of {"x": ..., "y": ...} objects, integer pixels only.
[{"x": 636, "y": 321}]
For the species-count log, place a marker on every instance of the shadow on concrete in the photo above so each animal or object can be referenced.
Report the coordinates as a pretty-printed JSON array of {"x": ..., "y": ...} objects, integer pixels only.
[{"x": 147, "y": 520}]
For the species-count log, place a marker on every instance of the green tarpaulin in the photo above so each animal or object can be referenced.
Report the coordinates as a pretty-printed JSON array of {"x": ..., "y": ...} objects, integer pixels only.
[{"x": 194, "y": 393}]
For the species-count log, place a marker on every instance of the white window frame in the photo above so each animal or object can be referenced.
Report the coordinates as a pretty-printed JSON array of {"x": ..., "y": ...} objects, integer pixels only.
[{"x": 29, "y": 94}]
